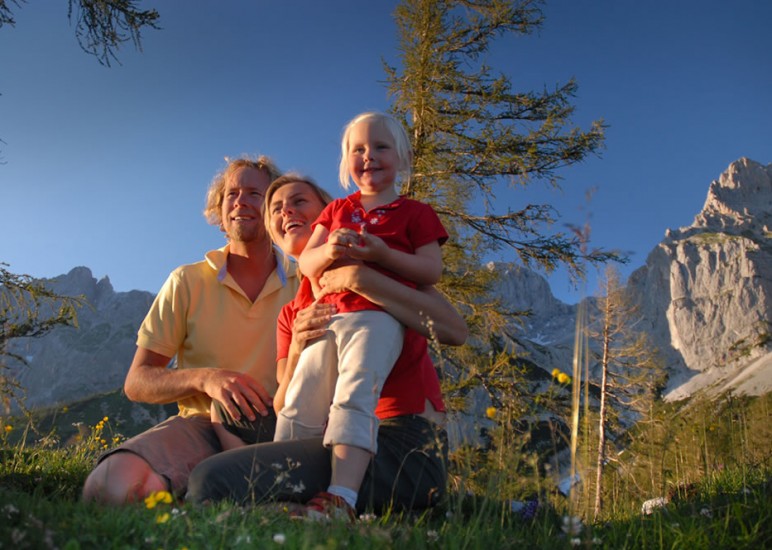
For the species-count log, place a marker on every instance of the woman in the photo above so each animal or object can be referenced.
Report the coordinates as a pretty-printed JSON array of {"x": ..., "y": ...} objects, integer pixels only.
[{"x": 409, "y": 468}]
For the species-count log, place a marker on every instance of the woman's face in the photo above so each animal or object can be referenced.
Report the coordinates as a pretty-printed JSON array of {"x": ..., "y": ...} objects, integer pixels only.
[{"x": 292, "y": 209}]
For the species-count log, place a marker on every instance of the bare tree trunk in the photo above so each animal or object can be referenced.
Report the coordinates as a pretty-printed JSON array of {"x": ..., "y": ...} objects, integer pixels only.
[{"x": 602, "y": 415}]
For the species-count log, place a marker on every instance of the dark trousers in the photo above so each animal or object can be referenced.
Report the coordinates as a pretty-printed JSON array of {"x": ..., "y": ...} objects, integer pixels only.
[{"x": 408, "y": 472}]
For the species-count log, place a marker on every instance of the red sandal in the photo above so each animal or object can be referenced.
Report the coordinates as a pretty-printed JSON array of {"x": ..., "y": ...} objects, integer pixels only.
[{"x": 326, "y": 507}]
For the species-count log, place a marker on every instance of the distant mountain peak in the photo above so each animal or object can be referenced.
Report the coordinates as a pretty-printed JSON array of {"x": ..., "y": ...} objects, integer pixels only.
[{"x": 740, "y": 198}]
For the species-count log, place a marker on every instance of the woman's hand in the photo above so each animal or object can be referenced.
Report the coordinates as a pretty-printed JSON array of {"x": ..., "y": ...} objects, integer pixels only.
[
  {"x": 311, "y": 322},
  {"x": 340, "y": 279}
]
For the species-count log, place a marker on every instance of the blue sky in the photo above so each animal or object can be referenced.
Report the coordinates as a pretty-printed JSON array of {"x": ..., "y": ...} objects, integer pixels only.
[{"x": 108, "y": 167}]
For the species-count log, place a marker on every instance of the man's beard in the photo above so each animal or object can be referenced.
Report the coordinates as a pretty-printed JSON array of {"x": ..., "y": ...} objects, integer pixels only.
[{"x": 246, "y": 234}]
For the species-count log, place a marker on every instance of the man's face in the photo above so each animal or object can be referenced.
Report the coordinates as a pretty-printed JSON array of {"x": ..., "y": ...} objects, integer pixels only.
[{"x": 242, "y": 205}]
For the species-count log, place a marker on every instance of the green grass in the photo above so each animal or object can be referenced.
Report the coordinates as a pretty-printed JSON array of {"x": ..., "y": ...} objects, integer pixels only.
[{"x": 725, "y": 506}]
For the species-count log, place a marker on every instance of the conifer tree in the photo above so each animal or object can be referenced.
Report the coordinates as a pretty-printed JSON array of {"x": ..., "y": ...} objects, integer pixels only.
[
  {"x": 630, "y": 370},
  {"x": 28, "y": 309},
  {"x": 101, "y": 26},
  {"x": 474, "y": 136}
]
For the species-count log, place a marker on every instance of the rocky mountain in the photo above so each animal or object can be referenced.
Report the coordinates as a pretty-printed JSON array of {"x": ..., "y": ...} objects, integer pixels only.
[
  {"x": 69, "y": 364},
  {"x": 706, "y": 290},
  {"x": 705, "y": 295}
]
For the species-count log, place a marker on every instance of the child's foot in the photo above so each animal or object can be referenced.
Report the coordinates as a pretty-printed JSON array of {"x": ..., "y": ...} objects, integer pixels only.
[{"x": 326, "y": 507}]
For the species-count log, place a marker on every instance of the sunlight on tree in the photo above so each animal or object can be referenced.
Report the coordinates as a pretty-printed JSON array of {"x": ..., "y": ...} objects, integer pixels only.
[
  {"x": 473, "y": 137},
  {"x": 631, "y": 372},
  {"x": 28, "y": 309}
]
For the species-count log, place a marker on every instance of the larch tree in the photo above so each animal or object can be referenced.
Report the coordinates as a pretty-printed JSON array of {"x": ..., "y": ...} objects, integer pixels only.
[
  {"x": 101, "y": 26},
  {"x": 630, "y": 369},
  {"x": 28, "y": 309},
  {"x": 473, "y": 137}
]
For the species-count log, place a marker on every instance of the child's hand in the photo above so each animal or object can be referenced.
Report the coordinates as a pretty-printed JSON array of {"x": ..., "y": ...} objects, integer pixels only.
[
  {"x": 369, "y": 248},
  {"x": 339, "y": 242}
]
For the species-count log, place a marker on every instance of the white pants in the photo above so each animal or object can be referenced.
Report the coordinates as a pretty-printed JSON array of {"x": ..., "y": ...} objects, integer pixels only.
[{"x": 346, "y": 368}]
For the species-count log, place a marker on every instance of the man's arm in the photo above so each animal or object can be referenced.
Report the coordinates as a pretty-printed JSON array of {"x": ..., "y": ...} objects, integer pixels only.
[{"x": 149, "y": 381}]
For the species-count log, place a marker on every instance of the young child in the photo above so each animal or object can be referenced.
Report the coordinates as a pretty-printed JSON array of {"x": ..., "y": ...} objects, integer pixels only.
[{"x": 398, "y": 236}]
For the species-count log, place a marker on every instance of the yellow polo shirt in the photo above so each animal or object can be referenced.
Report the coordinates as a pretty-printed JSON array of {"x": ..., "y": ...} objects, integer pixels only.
[{"x": 202, "y": 317}]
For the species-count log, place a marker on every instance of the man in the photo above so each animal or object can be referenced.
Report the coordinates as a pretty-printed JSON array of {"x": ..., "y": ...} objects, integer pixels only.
[{"x": 218, "y": 318}]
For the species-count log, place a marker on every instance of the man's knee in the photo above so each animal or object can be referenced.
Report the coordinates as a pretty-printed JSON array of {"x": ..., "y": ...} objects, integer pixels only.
[{"x": 122, "y": 477}]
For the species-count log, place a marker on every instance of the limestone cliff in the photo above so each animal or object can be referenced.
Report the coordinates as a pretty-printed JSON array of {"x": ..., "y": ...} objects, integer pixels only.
[{"x": 706, "y": 290}]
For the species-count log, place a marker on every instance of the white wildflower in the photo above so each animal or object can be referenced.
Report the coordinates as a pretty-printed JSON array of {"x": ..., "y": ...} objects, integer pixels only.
[
  {"x": 279, "y": 538},
  {"x": 10, "y": 510},
  {"x": 572, "y": 525},
  {"x": 649, "y": 506}
]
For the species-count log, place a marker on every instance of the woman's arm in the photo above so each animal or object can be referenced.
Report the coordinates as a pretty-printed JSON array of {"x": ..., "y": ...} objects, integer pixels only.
[
  {"x": 309, "y": 323},
  {"x": 149, "y": 381},
  {"x": 412, "y": 307}
]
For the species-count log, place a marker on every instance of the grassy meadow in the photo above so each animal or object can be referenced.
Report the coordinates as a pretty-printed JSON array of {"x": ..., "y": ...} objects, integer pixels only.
[{"x": 709, "y": 461}]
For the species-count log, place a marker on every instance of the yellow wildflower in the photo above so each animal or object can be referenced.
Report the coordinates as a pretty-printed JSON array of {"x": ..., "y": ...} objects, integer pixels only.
[
  {"x": 8, "y": 428},
  {"x": 162, "y": 518},
  {"x": 490, "y": 412},
  {"x": 563, "y": 378},
  {"x": 105, "y": 419},
  {"x": 158, "y": 496},
  {"x": 555, "y": 373}
]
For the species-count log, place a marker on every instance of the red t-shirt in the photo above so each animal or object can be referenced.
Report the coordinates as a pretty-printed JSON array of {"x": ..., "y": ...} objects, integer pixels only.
[
  {"x": 411, "y": 382},
  {"x": 404, "y": 225}
]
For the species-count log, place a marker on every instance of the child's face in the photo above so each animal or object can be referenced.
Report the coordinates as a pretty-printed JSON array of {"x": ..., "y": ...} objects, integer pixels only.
[{"x": 372, "y": 158}]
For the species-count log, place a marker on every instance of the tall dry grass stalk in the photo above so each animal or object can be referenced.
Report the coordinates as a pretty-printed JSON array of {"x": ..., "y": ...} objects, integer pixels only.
[{"x": 580, "y": 363}]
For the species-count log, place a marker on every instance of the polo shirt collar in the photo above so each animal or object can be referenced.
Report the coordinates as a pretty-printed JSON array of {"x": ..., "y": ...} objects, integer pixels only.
[{"x": 218, "y": 260}]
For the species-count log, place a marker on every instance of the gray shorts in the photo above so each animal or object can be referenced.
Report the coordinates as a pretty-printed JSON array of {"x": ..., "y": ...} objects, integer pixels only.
[{"x": 173, "y": 448}]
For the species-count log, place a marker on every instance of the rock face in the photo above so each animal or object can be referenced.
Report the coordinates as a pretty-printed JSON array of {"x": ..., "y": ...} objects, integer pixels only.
[
  {"x": 69, "y": 364},
  {"x": 706, "y": 290},
  {"x": 704, "y": 295}
]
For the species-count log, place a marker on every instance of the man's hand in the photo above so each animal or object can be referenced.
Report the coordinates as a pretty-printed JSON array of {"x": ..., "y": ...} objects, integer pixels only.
[{"x": 237, "y": 391}]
